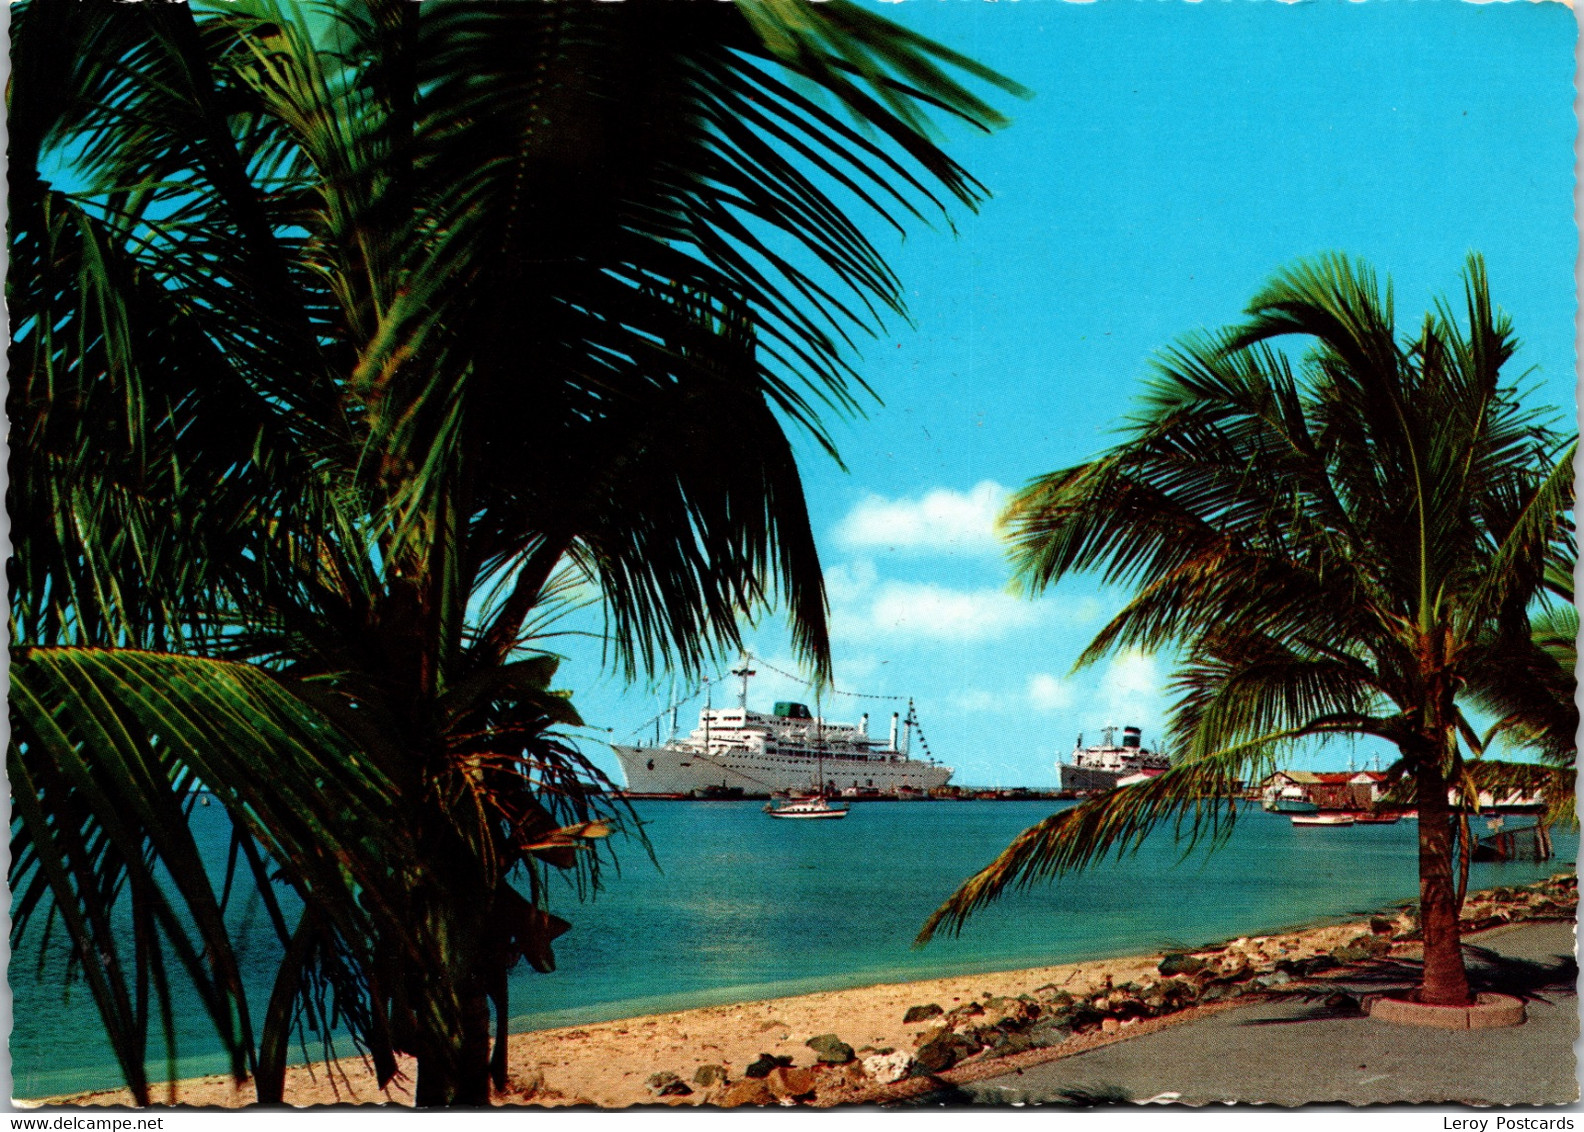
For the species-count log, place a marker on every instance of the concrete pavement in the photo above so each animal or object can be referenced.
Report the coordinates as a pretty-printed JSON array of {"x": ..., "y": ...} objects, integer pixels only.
[{"x": 1280, "y": 1053}]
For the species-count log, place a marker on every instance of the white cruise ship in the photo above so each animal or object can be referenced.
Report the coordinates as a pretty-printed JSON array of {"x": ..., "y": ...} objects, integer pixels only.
[
  {"x": 1101, "y": 767},
  {"x": 788, "y": 751}
]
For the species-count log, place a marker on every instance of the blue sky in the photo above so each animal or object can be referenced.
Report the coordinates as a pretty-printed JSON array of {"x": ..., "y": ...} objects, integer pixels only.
[{"x": 1173, "y": 157}]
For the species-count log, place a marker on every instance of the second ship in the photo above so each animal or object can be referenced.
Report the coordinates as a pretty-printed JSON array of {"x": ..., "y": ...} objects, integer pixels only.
[
  {"x": 790, "y": 750},
  {"x": 1105, "y": 766}
]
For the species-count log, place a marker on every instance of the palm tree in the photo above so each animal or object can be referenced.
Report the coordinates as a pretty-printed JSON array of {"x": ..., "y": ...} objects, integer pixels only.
[
  {"x": 1337, "y": 545},
  {"x": 344, "y": 339}
]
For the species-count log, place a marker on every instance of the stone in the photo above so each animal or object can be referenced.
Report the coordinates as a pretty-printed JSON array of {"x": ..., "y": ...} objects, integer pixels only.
[
  {"x": 830, "y": 1049},
  {"x": 1374, "y": 944},
  {"x": 1380, "y": 925},
  {"x": 661, "y": 1080},
  {"x": 887, "y": 1068},
  {"x": 1110, "y": 1025},
  {"x": 1236, "y": 970},
  {"x": 675, "y": 1089},
  {"x": 1046, "y": 1033},
  {"x": 1052, "y": 994},
  {"x": 942, "y": 1051},
  {"x": 1126, "y": 1006},
  {"x": 764, "y": 1064},
  {"x": 706, "y": 1075},
  {"x": 921, "y": 1013},
  {"x": 750, "y": 1090},
  {"x": 854, "y": 1071},
  {"x": 1082, "y": 1014},
  {"x": 790, "y": 1083},
  {"x": 1340, "y": 1001},
  {"x": 1180, "y": 964},
  {"x": 1008, "y": 1044}
]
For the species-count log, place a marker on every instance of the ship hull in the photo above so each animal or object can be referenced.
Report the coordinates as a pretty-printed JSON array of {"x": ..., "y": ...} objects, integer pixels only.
[
  {"x": 1085, "y": 779},
  {"x": 669, "y": 770}
]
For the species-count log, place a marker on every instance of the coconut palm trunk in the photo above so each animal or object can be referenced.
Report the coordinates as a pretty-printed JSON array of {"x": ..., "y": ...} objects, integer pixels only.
[{"x": 1445, "y": 981}]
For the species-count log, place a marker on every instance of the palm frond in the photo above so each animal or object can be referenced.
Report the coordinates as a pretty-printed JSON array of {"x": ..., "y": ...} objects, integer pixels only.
[
  {"x": 1198, "y": 796},
  {"x": 108, "y": 751}
]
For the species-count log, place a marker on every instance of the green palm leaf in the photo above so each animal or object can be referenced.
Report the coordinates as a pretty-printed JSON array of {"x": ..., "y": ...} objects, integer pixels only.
[
  {"x": 347, "y": 333},
  {"x": 107, "y": 752}
]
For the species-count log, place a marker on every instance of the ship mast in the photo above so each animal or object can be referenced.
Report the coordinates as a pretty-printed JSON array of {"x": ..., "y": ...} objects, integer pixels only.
[
  {"x": 742, "y": 670},
  {"x": 819, "y": 742}
]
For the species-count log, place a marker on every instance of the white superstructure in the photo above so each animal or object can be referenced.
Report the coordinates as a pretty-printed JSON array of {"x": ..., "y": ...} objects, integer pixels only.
[
  {"x": 1103, "y": 766},
  {"x": 788, "y": 750}
]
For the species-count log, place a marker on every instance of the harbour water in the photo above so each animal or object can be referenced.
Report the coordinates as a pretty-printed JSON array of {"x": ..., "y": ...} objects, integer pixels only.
[{"x": 743, "y": 908}]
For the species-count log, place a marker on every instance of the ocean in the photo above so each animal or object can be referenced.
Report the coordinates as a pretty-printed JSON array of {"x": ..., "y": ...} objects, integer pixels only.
[{"x": 742, "y": 907}]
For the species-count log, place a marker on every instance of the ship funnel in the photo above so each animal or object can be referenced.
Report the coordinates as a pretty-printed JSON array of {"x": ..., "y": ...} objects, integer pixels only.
[
  {"x": 895, "y": 718},
  {"x": 1130, "y": 737},
  {"x": 863, "y": 724}
]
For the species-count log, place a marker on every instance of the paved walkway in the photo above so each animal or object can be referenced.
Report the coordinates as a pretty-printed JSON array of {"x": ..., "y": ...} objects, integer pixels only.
[{"x": 1273, "y": 1054}]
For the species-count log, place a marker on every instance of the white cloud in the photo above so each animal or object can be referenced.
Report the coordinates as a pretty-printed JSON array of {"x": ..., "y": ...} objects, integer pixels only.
[
  {"x": 1047, "y": 693},
  {"x": 941, "y": 520},
  {"x": 863, "y": 606},
  {"x": 850, "y": 582},
  {"x": 1042, "y": 693},
  {"x": 924, "y": 609},
  {"x": 1130, "y": 691}
]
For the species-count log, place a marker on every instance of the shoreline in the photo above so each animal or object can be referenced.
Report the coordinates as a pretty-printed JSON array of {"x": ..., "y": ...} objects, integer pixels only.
[{"x": 704, "y": 1055}]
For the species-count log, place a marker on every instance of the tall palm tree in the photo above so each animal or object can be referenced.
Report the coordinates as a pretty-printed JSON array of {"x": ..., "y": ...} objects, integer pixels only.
[
  {"x": 1337, "y": 545},
  {"x": 342, "y": 335}
]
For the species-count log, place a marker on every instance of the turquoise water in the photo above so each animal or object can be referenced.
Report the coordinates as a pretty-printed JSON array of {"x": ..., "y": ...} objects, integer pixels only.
[{"x": 745, "y": 907}]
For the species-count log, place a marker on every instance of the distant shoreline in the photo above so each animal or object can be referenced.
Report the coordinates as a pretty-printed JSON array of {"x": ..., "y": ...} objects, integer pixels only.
[{"x": 613, "y": 1064}]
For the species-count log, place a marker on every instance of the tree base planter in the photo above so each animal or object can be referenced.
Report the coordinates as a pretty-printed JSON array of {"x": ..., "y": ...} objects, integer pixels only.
[{"x": 1489, "y": 1012}]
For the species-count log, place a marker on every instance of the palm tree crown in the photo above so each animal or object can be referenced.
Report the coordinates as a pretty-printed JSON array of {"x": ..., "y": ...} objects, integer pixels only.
[
  {"x": 345, "y": 337},
  {"x": 1337, "y": 545}
]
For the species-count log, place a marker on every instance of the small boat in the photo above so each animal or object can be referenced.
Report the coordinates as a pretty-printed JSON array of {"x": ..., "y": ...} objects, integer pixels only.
[
  {"x": 1322, "y": 819},
  {"x": 1290, "y": 801},
  {"x": 1377, "y": 818},
  {"x": 806, "y": 808}
]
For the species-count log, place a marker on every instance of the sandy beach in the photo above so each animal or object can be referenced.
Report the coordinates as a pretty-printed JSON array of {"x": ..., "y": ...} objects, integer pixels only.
[{"x": 895, "y": 1030}]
